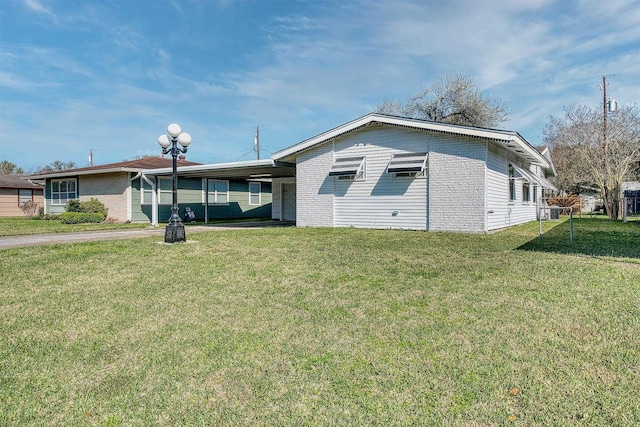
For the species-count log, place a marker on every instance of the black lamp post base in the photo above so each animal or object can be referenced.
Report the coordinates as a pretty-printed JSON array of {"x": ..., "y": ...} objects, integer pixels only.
[{"x": 174, "y": 233}]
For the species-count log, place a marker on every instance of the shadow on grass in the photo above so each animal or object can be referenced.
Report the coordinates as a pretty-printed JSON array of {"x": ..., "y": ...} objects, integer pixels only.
[{"x": 591, "y": 236}]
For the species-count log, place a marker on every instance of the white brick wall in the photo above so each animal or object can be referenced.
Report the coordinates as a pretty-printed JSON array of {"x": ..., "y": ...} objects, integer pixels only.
[
  {"x": 314, "y": 187},
  {"x": 457, "y": 184}
]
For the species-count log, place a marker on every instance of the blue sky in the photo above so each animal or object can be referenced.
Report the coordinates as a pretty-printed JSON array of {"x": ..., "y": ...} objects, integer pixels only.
[{"x": 109, "y": 76}]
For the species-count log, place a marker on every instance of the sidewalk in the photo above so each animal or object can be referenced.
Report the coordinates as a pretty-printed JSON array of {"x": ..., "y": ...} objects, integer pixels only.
[{"x": 9, "y": 242}]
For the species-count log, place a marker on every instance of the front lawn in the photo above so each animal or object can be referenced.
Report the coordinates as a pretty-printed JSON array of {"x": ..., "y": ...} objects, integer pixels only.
[
  {"x": 294, "y": 326},
  {"x": 16, "y": 226}
]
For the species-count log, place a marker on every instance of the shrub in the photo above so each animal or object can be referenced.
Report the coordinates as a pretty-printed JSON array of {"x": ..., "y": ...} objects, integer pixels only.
[
  {"x": 81, "y": 217},
  {"x": 73, "y": 205},
  {"x": 49, "y": 217},
  {"x": 78, "y": 212},
  {"x": 93, "y": 205},
  {"x": 566, "y": 200},
  {"x": 29, "y": 208}
]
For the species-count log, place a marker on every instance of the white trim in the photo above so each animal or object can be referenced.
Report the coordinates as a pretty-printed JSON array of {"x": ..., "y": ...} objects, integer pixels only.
[
  {"x": 511, "y": 141},
  {"x": 162, "y": 192},
  {"x": 154, "y": 200},
  {"x": 213, "y": 167},
  {"x": 259, "y": 184},
  {"x": 211, "y": 197},
  {"x": 58, "y": 180}
]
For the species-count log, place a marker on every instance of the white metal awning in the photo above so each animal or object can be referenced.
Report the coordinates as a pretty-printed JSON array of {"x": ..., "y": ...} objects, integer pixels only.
[
  {"x": 347, "y": 166},
  {"x": 532, "y": 177},
  {"x": 408, "y": 162}
]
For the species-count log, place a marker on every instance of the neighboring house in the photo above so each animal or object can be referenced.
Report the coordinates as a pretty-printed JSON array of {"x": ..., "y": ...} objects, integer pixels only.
[
  {"x": 16, "y": 190},
  {"x": 131, "y": 196},
  {"x": 630, "y": 197},
  {"x": 383, "y": 171},
  {"x": 233, "y": 190}
]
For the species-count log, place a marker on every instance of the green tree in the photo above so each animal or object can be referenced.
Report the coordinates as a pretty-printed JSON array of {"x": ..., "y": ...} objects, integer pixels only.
[
  {"x": 8, "y": 168},
  {"x": 57, "y": 166}
]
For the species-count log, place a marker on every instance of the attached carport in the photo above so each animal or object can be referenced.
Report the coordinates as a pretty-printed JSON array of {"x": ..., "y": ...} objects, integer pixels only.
[{"x": 252, "y": 170}]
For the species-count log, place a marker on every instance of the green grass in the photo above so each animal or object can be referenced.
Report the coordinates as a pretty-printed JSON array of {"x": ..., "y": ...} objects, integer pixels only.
[
  {"x": 16, "y": 226},
  {"x": 326, "y": 327}
]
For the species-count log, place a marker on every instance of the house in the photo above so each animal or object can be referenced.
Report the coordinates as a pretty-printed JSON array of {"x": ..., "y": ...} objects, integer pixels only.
[
  {"x": 16, "y": 190},
  {"x": 377, "y": 171},
  {"x": 216, "y": 191},
  {"x": 630, "y": 198},
  {"x": 129, "y": 195},
  {"x": 382, "y": 171}
]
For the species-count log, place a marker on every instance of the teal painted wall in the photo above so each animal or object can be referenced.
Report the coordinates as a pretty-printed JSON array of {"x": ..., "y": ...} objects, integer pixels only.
[
  {"x": 52, "y": 208},
  {"x": 190, "y": 194}
]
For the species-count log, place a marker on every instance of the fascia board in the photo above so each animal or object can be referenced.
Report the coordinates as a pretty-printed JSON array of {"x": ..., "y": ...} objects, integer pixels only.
[
  {"x": 319, "y": 139},
  {"x": 64, "y": 174},
  {"x": 211, "y": 167},
  {"x": 495, "y": 135}
]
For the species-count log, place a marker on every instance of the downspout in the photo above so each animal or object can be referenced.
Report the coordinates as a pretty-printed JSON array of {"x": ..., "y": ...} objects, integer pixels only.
[{"x": 206, "y": 200}]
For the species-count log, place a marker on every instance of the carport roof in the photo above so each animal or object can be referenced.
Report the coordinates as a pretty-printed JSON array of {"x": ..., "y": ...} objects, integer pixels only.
[{"x": 252, "y": 169}]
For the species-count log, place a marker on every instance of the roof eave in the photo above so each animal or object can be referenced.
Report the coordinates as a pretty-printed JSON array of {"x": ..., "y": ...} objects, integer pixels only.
[
  {"x": 512, "y": 141},
  {"x": 72, "y": 172}
]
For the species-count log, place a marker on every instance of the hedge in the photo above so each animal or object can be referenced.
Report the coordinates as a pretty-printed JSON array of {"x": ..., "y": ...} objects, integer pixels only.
[{"x": 80, "y": 217}]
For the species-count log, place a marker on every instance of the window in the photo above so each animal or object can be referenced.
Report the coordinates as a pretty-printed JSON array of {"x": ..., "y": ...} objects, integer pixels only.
[
  {"x": 254, "y": 193},
  {"x": 534, "y": 195},
  {"x": 145, "y": 192},
  {"x": 526, "y": 194},
  {"x": 63, "y": 190},
  {"x": 352, "y": 168},
  {"x": 512, "y": 183},
  {"x": 218, "y": 191},
  {"x": 165, "y": 190},
  {"x": 24, "y": 196},
  {"x": 408, "y": 165}
]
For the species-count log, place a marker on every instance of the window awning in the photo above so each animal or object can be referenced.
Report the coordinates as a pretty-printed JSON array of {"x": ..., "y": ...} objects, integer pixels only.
[
  {"x": 347, "y": 166},
  {"x": 407, "y": 162},
  {"x": 532, "y": 177}
]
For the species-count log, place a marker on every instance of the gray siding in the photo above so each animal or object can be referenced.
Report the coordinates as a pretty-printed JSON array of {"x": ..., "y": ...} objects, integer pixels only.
[
  {"x": 498, "y": 209},
  {"x": 505, "y": 212},
  {"x": 381, "y": 200}
]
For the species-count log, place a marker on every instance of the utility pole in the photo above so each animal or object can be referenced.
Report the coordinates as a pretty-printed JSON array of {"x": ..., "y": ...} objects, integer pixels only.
[
  {"x": 604, "y": 108},
  {"x": 91, "y": 157},
  {"x": 256, "y": 141}
]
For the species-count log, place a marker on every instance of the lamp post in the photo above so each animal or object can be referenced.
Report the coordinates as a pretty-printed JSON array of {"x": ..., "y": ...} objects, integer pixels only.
[{"x": 169, "y": 143}]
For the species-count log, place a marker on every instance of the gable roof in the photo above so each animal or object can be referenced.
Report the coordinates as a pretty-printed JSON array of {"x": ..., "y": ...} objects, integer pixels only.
[
  {"x": 127, "y": 166},
  {"x": 17, "y": 181},
  {"x": 513, "y": 142}
]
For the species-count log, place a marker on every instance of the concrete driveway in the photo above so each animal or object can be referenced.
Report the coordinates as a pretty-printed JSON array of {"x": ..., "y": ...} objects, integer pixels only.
[{"x": 9, "y": 242}]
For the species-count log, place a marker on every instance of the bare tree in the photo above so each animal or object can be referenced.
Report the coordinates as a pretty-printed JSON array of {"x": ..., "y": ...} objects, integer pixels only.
[
  {"x": 604, "y": 155},
  {"x": 455, "y": 100}
]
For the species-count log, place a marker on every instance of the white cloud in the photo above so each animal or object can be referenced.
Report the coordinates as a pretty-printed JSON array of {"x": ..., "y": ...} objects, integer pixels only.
[{"x": 38, "y": 7}]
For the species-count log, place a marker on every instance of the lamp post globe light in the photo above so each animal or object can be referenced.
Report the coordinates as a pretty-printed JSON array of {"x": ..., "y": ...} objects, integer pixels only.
[{"x": 169, "y": 143}]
